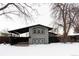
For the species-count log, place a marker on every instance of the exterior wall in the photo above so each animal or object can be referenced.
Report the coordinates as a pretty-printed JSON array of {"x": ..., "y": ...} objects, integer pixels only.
[{"x": 37, "y": 36}]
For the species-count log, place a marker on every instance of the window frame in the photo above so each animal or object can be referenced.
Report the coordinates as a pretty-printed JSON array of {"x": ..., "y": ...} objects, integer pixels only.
[
  {"x": 34, "y": 31},
  {"x": 38, "y": 30}
]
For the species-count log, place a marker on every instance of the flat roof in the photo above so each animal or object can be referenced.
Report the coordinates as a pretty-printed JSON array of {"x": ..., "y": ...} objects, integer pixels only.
[{"x": 26, "y": 29}]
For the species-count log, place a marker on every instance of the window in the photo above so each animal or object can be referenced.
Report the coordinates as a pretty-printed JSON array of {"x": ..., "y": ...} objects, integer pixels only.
[
  {"x": 38, "y": 40},
  {"x": 42, "y": 31},
  {"x": 34, "y": 31},
  {"x": 38, "y": 31}
]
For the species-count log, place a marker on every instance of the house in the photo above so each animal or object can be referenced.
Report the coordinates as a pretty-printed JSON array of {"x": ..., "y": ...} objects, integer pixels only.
[
  {"x": 38, "y": 34},
  {"x": 74, "y": 37}
]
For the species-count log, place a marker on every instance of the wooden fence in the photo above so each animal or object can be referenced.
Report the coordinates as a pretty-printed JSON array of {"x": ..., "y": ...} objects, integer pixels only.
[{"x": 13, "y": 40}]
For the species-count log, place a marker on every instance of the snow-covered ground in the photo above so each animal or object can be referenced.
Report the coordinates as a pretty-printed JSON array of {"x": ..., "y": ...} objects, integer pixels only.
[{"x": 54, "y": 49}]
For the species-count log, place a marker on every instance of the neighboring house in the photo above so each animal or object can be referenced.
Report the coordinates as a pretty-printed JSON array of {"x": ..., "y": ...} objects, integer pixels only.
[
  {"x": 74, "y": 37},
  {"x": 38, "y": 34},
  {"x": 4, "y": 34}
]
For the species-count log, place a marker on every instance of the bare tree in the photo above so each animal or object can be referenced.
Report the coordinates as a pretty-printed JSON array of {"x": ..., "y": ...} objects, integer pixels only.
[
  {"x": 66, "y": 15},
  {"x": 21, "y": 9},
  {"x": 76, "y": 27}
]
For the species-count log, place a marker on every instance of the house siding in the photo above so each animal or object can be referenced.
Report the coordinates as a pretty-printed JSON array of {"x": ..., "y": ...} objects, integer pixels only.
[{"x": 42, "y": 37}]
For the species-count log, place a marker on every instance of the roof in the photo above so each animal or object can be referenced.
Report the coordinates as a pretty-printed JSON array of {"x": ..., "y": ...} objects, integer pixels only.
[
  {"x": 75, "y": 34},
  {"x": 26, "y": 29},
  {"x": 52, "y": 33}
]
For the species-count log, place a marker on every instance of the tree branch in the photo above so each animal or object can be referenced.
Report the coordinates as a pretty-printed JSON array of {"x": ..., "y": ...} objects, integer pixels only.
[{"x": 4, "y": 7}]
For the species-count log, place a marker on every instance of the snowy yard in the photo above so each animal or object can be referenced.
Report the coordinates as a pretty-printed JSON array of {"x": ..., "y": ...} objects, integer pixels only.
[{"x": 54, "y": 49}]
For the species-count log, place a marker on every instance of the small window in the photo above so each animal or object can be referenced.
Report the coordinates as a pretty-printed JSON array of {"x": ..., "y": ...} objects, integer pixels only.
[
  {"x": 34, "y": 31},
  {"x": 42, "y": 31},
  {"x": 38, "y": 31}
]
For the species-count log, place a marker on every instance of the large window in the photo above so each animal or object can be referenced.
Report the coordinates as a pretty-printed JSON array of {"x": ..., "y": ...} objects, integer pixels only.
[{"x": 38, "y": 40}]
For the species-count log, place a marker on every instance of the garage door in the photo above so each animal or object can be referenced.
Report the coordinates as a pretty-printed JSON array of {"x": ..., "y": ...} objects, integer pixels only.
[{"x": 38, "y": 41}]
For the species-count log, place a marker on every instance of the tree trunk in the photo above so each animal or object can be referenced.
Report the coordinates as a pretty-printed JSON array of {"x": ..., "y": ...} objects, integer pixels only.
[{"x": 65, "y": 38}]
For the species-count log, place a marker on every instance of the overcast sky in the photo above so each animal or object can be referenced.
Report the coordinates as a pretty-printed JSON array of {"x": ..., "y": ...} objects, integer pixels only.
[{"x": 19, "y": 22}]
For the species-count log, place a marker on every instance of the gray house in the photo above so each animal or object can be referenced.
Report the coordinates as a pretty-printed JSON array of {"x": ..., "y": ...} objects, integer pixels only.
[{"x": 38, "y": 34}]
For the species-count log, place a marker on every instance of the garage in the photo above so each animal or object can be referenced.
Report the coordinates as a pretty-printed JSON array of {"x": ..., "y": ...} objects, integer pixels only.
[{"x": 38, "y": 41}]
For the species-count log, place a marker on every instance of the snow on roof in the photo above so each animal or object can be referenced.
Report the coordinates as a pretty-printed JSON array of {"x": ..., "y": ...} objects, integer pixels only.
[
  {"x": 26, "y": 29},
  {"x": 74, "y": 34}
]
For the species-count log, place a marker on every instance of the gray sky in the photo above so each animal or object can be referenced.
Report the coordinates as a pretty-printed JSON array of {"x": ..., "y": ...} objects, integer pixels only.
[{"x": 19, "y": 22}]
